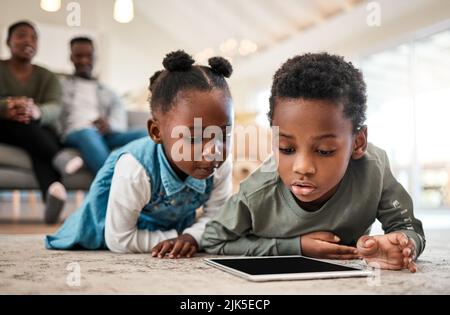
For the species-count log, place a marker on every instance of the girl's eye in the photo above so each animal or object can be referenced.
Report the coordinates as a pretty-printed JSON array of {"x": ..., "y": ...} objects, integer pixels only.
[
  {"x": 227, "y": 137},
  {"x": 286, "y": 150},
  {"x": 196, "y": 140},
  {"x": 325, "y": 153}
]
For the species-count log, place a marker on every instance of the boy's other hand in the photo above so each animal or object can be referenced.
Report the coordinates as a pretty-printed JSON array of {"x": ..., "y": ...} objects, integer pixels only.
[
  {"x": 183, "y": 246},
  {"x": 325, "y": 245},
  {"x": 393, "y": 251}
]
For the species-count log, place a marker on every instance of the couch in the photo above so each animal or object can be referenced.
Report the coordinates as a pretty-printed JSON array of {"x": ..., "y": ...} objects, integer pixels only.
[{"x": 16, "y": 170}]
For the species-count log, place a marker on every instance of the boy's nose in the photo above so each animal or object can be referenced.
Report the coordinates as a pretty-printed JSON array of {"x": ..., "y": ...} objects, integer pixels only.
[{"x": 304, "y": 165}]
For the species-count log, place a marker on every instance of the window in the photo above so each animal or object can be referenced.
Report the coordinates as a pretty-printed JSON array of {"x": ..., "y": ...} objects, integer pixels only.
[{"x": 409, "y": 114}]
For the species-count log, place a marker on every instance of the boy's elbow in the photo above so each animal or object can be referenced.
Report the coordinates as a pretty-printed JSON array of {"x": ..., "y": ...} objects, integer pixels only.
[
  {"x": 212, "y": 248},
  {"x": 211, "y": 243}
]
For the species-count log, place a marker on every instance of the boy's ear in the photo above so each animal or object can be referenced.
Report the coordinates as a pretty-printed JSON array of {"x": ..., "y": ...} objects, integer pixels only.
[
  {"x": 154, "y": 130},
  {"x": 360, "y": 144}
]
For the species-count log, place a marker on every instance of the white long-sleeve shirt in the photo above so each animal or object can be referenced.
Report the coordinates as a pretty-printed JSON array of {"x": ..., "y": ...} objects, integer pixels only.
[{"x": 131, "y": 192}]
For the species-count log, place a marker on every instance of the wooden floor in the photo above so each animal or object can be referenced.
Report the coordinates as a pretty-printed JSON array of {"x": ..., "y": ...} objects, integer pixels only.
[
  {"x": 27, "y": 228},
  {"x": 22, "y": 213}
]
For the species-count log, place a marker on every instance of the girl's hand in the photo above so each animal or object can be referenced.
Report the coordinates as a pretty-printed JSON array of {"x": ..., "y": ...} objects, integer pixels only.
[
  {"x": 394, "y": 251},
  {"x": 183, "y": 246},
  {"x": 325, "y": 245}
]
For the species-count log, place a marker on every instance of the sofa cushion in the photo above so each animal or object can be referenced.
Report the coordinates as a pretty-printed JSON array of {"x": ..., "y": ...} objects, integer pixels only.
[
  {"x": 14, "y": 157},
  {"x": 16, "y": 171},
  {"x": 138, "y": 119},
  {"x": 15, "y": 178}
]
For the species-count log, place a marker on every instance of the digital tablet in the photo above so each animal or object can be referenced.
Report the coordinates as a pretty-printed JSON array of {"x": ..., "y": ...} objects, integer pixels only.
[{"x": 274, "y": 268}]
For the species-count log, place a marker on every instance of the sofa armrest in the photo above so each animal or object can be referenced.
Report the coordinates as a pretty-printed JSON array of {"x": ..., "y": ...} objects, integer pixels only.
[
  {"x": 14, "y": 157},
  {"x": 138, "y": 119}
]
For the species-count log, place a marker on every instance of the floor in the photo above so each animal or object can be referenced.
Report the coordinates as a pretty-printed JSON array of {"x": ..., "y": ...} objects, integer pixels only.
[
  {"x": 27, "y": 207},
  {"x": 26, "y": 267}
]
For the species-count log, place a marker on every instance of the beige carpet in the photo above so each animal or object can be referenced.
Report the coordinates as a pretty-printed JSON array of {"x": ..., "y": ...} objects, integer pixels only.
[{"x": 27, "y": 268}]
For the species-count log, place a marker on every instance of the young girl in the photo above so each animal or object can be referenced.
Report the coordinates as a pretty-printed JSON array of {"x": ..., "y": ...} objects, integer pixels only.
[
  {"x": 144, "y": 198},
  {"x": 329, "y": 184}
]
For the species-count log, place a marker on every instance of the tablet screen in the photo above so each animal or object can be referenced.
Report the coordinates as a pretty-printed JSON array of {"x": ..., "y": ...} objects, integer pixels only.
[{"x": 280, "y": 265}]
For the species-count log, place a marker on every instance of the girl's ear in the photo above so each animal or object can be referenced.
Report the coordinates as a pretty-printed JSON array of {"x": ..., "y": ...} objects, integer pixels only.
[
  {"x": 154, "y": 130},
  {"x": 360, "y": 144}
]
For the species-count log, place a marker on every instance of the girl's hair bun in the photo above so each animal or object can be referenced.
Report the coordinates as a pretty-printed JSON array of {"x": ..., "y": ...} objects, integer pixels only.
[
  {"x": 153, "y": 79},
  {"x": 178, "y": 61},
  {"x": 220, "y": 66}
]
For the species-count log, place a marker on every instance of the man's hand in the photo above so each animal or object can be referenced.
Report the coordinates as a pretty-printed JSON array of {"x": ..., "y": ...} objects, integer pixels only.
[
  {"x": 34, "y": 111},
  {"x": 394, "y": 251},
  {"x": 183, "y": 246},
  {"x": 325, "y": 245},
  {"x": 102, "y": 125}
]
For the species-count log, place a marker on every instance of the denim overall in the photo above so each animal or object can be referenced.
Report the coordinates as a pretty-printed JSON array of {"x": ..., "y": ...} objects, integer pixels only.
[{"x": 172, "y": 204}]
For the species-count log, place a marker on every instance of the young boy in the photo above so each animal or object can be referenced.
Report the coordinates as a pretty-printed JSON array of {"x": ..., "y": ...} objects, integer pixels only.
[{"x": 329, "y": 184}]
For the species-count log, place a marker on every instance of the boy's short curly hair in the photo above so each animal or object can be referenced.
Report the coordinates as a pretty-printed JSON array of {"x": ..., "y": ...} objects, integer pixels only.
[{"x": 322, "y": 76}]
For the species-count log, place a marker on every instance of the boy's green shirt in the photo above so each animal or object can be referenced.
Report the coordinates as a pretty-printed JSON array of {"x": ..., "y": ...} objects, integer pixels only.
[
  {"x": 43, "y": 87},
  {"x": 265, "y": 219}
]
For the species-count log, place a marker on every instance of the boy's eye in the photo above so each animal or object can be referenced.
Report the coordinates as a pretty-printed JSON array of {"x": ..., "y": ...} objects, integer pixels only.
[
  {"x": 325, "y": 153},
  {"x": 286, "y": 150}
]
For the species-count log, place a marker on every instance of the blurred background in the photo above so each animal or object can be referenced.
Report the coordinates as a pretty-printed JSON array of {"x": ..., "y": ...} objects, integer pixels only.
[{"x": 402, "y": 47}]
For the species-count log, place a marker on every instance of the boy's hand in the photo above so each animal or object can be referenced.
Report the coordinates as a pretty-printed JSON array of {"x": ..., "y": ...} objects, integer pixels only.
[
  {"x": 394, "y": 251},
  {"x": 324, "y": 245},
  {"x": 183, "y": 246}
]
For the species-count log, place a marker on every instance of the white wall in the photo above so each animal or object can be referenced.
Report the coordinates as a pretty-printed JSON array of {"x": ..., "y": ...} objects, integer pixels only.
[
  {"x": 128, "y": 54},
  {"x": 52, "y": 28},
  {"x": 347, "y": 34},
  {"x": 56, "y": 54}
]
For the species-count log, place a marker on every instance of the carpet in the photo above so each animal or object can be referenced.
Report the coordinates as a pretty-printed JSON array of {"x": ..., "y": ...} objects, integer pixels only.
[{"x": 26, "y": 267}]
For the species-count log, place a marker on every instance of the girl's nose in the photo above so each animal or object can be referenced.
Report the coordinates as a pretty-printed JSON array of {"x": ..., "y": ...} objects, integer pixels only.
[{"x": 213, "y": 150}]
